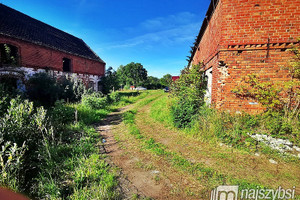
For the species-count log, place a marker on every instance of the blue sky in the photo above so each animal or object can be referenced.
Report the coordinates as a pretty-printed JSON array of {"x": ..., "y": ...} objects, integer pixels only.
[{"x": 156, "y": 33}]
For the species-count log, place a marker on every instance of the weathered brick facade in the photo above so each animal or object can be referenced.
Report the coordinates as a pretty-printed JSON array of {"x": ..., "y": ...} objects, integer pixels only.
[
  {"x": 241, "y": 37},
  {"x": 40, "y": 57},
  {"x": 41, "y": 47}
]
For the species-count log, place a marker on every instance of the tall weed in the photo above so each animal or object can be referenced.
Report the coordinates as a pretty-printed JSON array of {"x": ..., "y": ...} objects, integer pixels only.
[
  {"x": 11, "y": 161},
  {"x": 24, "y": 127}
]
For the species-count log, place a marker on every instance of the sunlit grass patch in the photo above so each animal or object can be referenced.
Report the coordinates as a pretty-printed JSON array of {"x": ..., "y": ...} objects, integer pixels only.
[
  {"x": 209, "y": 175},
  {"x": 76, "y": 169}
]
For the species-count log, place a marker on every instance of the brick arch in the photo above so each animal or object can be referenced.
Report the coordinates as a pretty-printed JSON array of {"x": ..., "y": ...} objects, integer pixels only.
[
  {"x": 11, "y": 42},
  {"x": 16, "y": 47}
]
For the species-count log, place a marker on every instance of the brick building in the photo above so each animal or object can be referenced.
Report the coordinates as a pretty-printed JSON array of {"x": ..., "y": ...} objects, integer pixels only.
[
  {"x": 241, "y": 37},
  {"x": 35, "y": 46}
]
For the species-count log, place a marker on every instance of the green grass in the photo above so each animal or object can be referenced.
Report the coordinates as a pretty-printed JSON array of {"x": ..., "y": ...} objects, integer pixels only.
[
  {"x": 76, "y": 169},
  {"x": 130, "y": 97},
  {"x": 214, "y": 127},
  {"x": 160, "y": 111},
  {"x": 206, "y": 175}
]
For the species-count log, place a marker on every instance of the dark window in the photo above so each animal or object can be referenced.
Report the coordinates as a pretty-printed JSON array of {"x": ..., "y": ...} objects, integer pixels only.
[
  {"x": 9, "y": 82},
  {"x": 100, "y": 86},
  {"x": 91, "y": 85},
  {"x": 8, "y": 55},
  {"x": 66, "y": 65}
]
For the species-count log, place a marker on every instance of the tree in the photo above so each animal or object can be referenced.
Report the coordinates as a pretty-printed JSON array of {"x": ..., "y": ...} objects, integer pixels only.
[
  {"x": 166, "y": 80},
  {"x": 110, "y": 81},
  {"x": 45, "y": 89},
  {"x": 153, "y": 83},
  {"x": 132, "y": 74}
]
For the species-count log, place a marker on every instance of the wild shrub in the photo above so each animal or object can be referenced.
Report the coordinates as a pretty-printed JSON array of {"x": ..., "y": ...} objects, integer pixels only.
[
  {"x": 183, "y": 112},
  {"x": 46, "y": 90},
  {"x": 94, "y": 100},
  {"x": 280, "y": 96},
  {"x": 24, "y": 124},
  {"x": 79, "y": 89},
  {"x": 43, "y": 89},
  {"x": 66, "y": 91},
  {"x": 21, "y": 123},
  {"x": 60, "y": 115},
  {"x": 3, "y": 105},
  {"x": 280, "y": 99},
  {"x": 188, "y": 93},
  {"x": 6, "y": 94},
  {"x": 115, "y": 97},
  {"x": 71, "y": 88}
]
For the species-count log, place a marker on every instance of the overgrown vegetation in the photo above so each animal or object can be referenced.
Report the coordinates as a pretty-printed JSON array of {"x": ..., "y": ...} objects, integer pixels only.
[
  {"x": 281, "y": 100},
  {"x": 132, "y": 74},
  {"x": 9, "y": 55},
  {"x": 46, "y": 90},
  {"x": 208, "y": 176},
  {"x": 185, "y": 109},
  {"x": 277, "y": 96},
  {"x": 53, "y": 153},
  {"x": 188, "y": 96}
]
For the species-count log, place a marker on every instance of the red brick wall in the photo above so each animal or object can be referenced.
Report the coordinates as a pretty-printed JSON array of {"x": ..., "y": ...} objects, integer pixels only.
[
  {"x": 243, "y": 63},
  {"x": 254, "y": 21},
  {"x": 249, "y": 37},
  {"x": 36, "y": 56}
]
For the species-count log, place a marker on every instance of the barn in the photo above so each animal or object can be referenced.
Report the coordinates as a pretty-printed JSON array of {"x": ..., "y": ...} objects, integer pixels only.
[
  {"x": 28, "y": 46},
  {"x": 242, "y": 37}
]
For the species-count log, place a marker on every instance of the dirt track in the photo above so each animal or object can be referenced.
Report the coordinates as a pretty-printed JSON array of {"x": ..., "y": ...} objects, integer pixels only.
[
  {"x": 133, "y": 180},
  {"x": 145, "y": 175}
]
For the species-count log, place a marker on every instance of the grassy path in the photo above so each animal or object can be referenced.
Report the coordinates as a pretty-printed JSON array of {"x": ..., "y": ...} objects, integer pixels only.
[
  {"x": 164, "y": 163},
  {"x": 134, "y": 181}
]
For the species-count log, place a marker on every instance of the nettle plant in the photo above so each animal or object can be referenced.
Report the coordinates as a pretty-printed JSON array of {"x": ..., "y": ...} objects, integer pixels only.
[{"x": 275, "y": 96}]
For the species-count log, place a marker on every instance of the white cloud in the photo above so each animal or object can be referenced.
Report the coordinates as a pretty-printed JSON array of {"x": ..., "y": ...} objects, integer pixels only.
[
  {"x": 167, "y": 22},
  {"x": 169, "y": 30}
]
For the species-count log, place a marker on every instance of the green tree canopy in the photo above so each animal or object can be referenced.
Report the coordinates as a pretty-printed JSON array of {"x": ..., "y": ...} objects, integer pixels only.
[
  {"x": 132, "y": 74},
  {"x": 110, "y": 81},
  {"x": 153, "y": 83},
  {"x": 166, "y": 80}
]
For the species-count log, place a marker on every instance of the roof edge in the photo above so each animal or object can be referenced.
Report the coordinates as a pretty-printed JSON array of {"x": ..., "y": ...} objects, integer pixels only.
[
  {"x": 48, "y": 46},
  {"x": 57, "y": 49},
  {"x": 93, "y": 51},
  {"x": 212, "y": 7}
]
